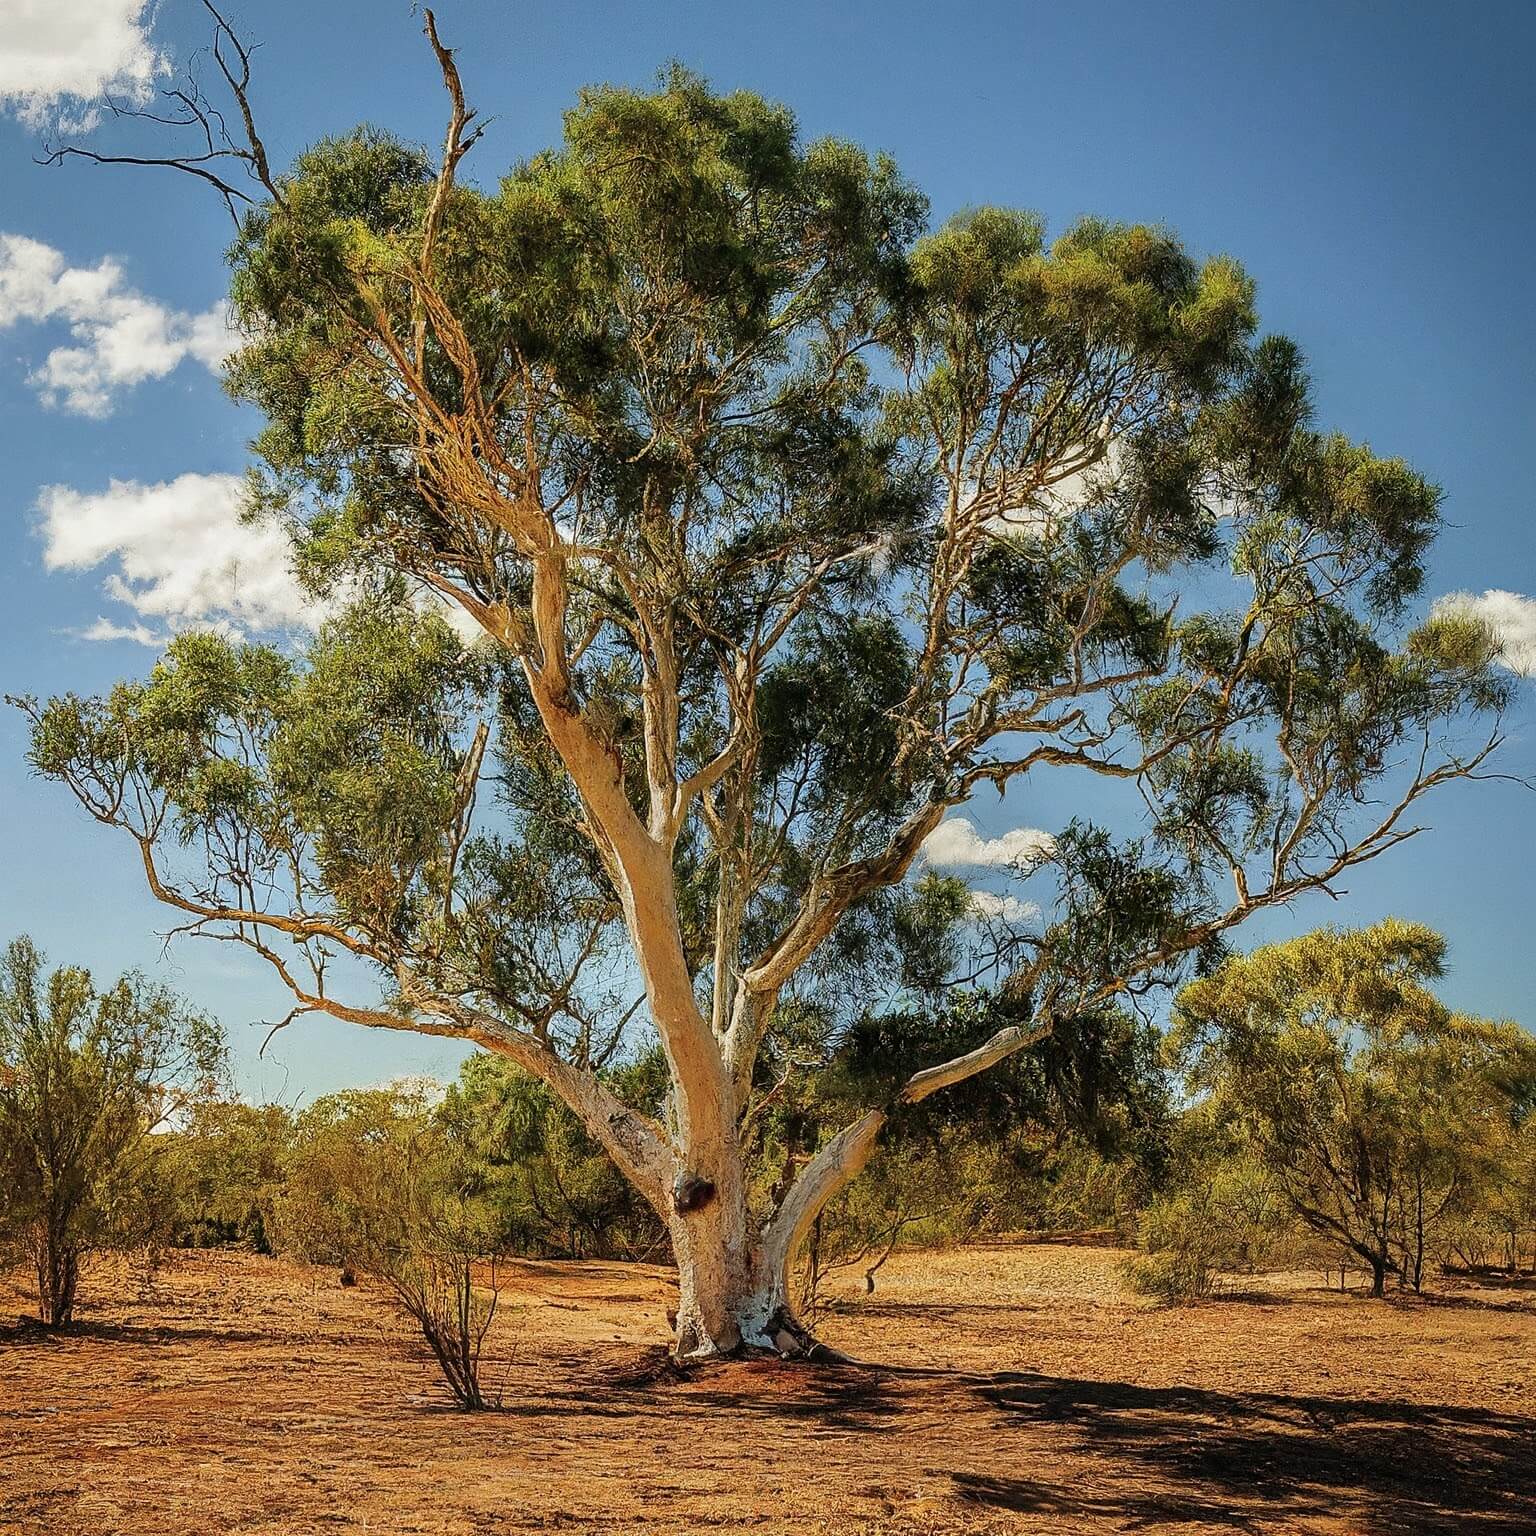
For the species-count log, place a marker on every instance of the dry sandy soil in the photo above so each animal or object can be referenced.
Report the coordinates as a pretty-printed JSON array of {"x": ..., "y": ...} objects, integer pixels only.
[{"x": 1007, "y": 1389}]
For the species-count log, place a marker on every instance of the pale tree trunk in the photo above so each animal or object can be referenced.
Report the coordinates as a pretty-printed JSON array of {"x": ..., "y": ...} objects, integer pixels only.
[
  {"x": 734, "y": 1281},
  {"x": 738, "y": 1298},
  {"x": 734, "y": 1275},
  {"x": 734, "y": 1278},
  {"x": 736, "y": 1285},
  {"x": 715, "y": 1249}
]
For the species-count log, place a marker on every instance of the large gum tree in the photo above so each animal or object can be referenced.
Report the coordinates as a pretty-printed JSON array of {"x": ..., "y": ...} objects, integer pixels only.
[{"x": 786, "y": 525}]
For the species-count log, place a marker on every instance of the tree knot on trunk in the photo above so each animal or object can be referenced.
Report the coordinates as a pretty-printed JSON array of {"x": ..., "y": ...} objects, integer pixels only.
[{"x": 691, "y": 1193}]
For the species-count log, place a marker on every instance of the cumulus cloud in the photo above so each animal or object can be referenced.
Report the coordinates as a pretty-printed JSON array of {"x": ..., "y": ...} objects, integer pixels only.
[
  {"x": 1511, "y": 617},
  {"x": 180, "y": 557},
  {"x": 956, "y": 844},
  {"x": 121, "y": 337},
  {"x": 61, "y": 57},
  {"x": 991, "y": 907}
]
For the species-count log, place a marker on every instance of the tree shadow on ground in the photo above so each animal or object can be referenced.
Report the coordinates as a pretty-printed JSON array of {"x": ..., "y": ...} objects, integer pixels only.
[
  {"x": 1494, "y": 1279},
  {"x": 28, "y": 1331},
  {"x": 1495, "y": 1299},
  {"x": 1405, "y": 1467},
  {"x": 1153, "y": 1456},
  {"x": 827, "y": 1395},
  {"x": 933, "y": 1313}
]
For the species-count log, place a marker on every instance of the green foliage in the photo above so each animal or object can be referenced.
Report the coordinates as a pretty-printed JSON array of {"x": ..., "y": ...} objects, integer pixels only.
[
  {"x": 827, "y": 713},
  {"x": 375, "y": 1183},
  {"x": 1492, "y": 1225},
  {"x": 1373, "y": 1108},
  {"x": 546, "y": 1186},
  {"x": 367, "y": 1173},
  {"x": 1223, "y": 1214},
  {"x": 1179, "y": 1266},
  {"x": 1068, "y": 1135},
  {"x": 86, "y": 1075},
  {"x": 680, "y": 314},
  {"x": 227, "y": 1166}
]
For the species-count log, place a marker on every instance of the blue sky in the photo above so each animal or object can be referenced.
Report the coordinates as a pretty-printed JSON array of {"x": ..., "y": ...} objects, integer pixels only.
[{"x": 1370, "y": 165}]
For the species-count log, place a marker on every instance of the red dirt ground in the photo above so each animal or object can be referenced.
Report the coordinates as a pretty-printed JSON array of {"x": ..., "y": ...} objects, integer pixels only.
[{"x": 1007, "y": 1389}]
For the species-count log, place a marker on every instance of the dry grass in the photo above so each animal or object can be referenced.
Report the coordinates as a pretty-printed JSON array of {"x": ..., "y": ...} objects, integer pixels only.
[{"x": 1009, "y": 1389}]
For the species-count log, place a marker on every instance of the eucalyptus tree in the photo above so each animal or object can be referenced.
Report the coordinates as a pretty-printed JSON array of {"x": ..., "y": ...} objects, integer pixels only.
[
  {"x": 1371, "y": 1105},
  {"x": 787, "y": 524}
]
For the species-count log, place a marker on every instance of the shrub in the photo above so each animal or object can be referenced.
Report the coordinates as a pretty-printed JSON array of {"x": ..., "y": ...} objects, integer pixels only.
[
  {"x": 376, "y": 1184},
  {"x": 434, "y": 1284},
  {"x": 1226, "y": 1216},
  {"x": 228, "y": 1169},
  {"x": 1181, "y": 1247},
  {"x": 85, "y": 1077}
]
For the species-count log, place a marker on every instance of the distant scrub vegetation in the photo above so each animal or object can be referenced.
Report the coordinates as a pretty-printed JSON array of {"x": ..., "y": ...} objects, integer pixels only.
[{"x": 1312, "y": 1103}]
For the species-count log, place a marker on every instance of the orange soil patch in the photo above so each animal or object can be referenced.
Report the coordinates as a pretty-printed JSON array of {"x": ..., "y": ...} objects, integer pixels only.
[{"x": 1007, "y": 1389}]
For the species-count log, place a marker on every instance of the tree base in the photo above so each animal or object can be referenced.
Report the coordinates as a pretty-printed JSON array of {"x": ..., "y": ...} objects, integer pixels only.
[
  {"x": 792, "y": 1340},
  {"x": 779, "y": 1336}
]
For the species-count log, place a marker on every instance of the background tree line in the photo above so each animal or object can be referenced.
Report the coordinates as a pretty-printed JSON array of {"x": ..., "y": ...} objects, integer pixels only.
[{"x": 1311, "y": 1103}]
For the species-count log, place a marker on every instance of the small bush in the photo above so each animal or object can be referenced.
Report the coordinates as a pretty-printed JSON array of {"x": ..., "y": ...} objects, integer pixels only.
[
  {"x": 453, "y": 1313},
  {"x": 1182, "y": 1243},
  {"x": 1175, "y": 1278},
  {"x": 1226, "y": 1217},
  {"x": 374, "y": 1183},
  {"x": 86, "y": 1076}
]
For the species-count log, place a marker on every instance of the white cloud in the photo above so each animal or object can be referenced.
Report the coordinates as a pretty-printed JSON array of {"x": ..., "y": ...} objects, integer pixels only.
[
  {"x": 956, "y": 844},
  {"x": 64, "y": 55},
  {"x": 121, "y": 337},
  {"x": 1511, "y": 617},
  {"x": 991, "y": 907},
  {"x": 106, "y": 629},
  {"x": 181, "y": 557}
]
